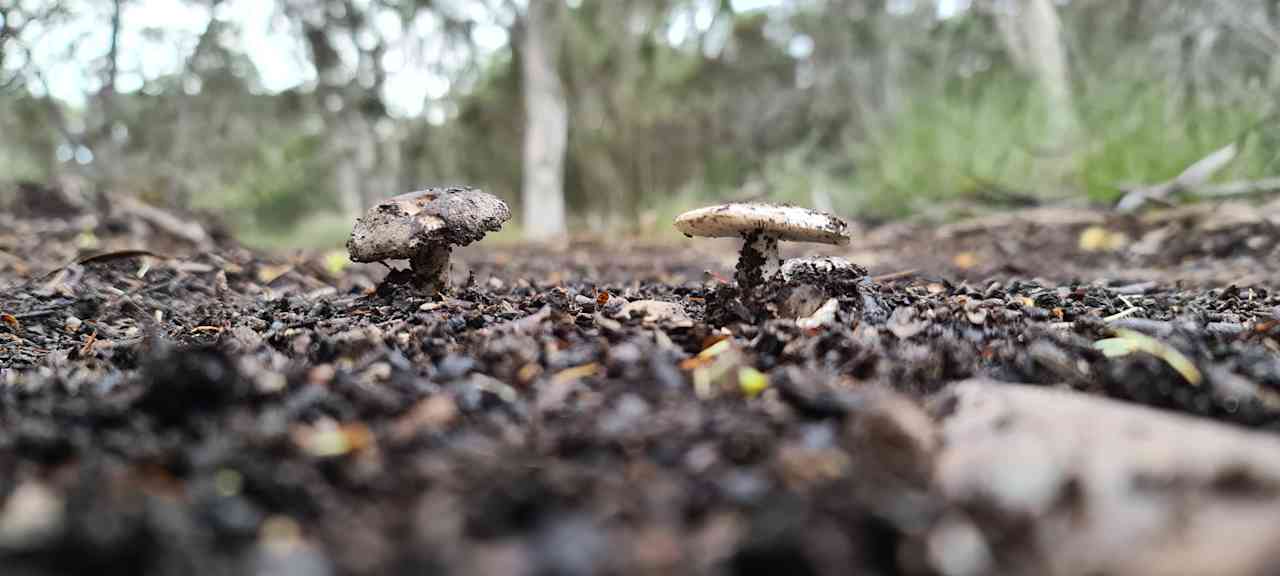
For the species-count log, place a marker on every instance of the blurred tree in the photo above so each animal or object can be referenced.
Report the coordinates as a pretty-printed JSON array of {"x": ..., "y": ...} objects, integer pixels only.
[
  {"x": 348, "y": 95},
  {"x": 1033, "y": 36},
  {"x": 880, "y": 106},
  {"x": 546, "y": 119},
  {"x": 32, "y": 123}
]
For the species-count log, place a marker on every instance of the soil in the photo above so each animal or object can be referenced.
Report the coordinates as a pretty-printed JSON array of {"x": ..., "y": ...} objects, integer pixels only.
[{"x": 178, "y": 408}]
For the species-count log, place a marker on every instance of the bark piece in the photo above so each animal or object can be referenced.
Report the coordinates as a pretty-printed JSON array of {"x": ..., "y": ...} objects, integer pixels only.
[{"x": 1068, "y": 483}]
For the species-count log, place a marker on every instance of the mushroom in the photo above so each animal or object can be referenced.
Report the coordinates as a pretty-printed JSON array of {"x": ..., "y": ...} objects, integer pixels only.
[
  {"x": 798, "y": 268},
  {"x": 761, "y": 226},
  {"x": 423, "y": 227}
]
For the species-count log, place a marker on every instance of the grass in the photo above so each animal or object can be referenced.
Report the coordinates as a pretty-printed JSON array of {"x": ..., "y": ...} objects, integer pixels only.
[
  {"x": 951, "y": 149},
  {"x": 15, "y": 166},
  {"x": 948, "y": 148},
  {"x": 941, "y": 148},
  {"x": 1149, "y": 140},
  {"x": 320, "y": 231}
]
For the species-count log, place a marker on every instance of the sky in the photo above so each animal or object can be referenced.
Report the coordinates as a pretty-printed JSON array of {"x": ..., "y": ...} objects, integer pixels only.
[{"x": 68, "y": 53}]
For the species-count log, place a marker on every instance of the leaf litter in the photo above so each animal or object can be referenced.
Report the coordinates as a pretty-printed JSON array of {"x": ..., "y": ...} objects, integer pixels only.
[{"x": 229, "y": 413}]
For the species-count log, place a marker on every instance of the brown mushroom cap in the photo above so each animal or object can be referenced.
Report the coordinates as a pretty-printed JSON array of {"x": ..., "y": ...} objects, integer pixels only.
[
  {"x": 790, "y": 223},
  {"x": 410, "y": 224}
]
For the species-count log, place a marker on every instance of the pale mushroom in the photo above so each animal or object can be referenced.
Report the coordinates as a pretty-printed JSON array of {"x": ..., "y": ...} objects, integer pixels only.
[
  {"x": 796, "y": 268},
  {"x": 423, "y": 227},
  {"x": 761, "y": 226}
]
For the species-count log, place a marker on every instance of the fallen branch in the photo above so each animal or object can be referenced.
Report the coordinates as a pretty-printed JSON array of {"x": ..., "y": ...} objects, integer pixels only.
[
  {"x": 164, "y": 221},
  {"x": 1240, "y": 188},
  {"x": 1194, "y": 181},
  {"x": 1102, "y": 486},
  {"x": 1194, "y": 177}
]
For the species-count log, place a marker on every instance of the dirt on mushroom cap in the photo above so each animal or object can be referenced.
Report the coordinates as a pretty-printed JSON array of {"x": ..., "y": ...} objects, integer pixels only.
[
  {"x": 790, "y": 223},
  {"x": 402, "y": 226}
]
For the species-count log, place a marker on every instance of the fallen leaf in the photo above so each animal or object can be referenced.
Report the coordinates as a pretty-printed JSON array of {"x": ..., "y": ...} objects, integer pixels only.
[
  {"x": 87, "y": 241},
  {"x": 433, "y": 414},
  {"x": 576, "y": 373},
  {"x": 751, "y": 381},
  {"x": 823, "y": 316},
  {"x": 328, "y": 440},
  {"x": 12, "y": 322},
  {"x": 1100, "y": 239},
  {"x": 965, "y": 260},
  {"x": 1128, "y": 342},
  {"x": 657, "y": 311},
  {"x": 269, "y": 273},
  {"x": 117, "y": 255},
  {"x": 336, "y": 261}
]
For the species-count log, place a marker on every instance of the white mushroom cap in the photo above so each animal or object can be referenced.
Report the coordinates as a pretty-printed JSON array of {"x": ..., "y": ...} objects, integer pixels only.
[
  {"x": 409, "y": 225},
  {"x": 790, "y": 223}
]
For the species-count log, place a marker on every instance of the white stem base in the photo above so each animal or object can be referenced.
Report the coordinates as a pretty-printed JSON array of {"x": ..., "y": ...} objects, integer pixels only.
[{"x": 759, "y": 260}]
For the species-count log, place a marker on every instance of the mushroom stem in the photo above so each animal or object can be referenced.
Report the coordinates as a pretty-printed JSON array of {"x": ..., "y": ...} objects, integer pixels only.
[
  {"x": 759, "y": 260},
  {"x": 431, "y": 269}
]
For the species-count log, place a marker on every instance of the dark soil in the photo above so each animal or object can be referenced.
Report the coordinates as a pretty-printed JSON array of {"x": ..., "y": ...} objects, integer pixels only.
[{"x": 205, "y": 410}]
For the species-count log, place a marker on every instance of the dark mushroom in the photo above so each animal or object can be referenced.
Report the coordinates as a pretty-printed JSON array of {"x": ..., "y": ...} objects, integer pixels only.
[{"x": 423, "y": 227}]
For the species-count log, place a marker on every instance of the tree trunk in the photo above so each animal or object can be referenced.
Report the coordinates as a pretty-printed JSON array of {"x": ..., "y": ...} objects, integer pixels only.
[
  {"x": 1047, "y": 59},
  {"x": 6, "y": 31},
  {"x": 357, "y": 173},
  {"x": 1273, "y": 21},
  {"x": 108, "y": 154},
  {"x": 889, "y": 63},
  {"x": 546, "y": 122},
  {"x": 1033, "y": 38},
  {"x": 1133, "y": 19},
  {"x": 113, "y": 53},
  {"x": 1005, "y": 15},
  {"x": 346, "y": 175}
]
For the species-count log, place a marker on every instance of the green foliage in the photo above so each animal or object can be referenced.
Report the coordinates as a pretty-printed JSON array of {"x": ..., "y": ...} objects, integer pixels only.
[
  {"x": 949, "y": 146},
  {"x": 27, "y": 142},
  {"x": 981, "y": 141},
  {"x": 16, "y": 166},
  {"x": 317, "y": 231},
  {"x": 285, "y": 182},
  {"x": 883, "y": 112},
  {"x": 1140, "y": 134},
  {"x": 482, "y": 145}
]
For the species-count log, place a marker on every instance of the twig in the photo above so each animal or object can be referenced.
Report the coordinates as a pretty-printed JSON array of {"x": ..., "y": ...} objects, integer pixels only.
[
  {"x": 39, "y": 313},
  {"x": 118, "y": 255},
  {"x": 1122, "y": 314},
  {"x": 1240, "y": 188},
  {"x": 1156, "y": 328},
  {"x": 890, "y": 277},
  {"x": 1135, "y": 289},
  {"x": 1195, "y": 176},
  {"x": 165, "y": 222}
]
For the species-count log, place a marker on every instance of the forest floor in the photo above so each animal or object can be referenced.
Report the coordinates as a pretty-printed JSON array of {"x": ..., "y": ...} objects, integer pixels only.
[{"x": 171, "y": 403}]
